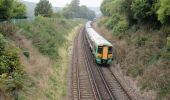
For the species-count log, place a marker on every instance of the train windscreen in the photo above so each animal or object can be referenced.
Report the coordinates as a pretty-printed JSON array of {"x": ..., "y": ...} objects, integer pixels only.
[
  {"x": 110, "y": 50},
  {"x": 100, "y": 49}
]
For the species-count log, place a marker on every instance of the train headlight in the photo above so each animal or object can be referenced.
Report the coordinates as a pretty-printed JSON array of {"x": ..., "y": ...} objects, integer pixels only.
[
  {"x": 110, "y": 56},
  {"x": 99, "y": 56}
]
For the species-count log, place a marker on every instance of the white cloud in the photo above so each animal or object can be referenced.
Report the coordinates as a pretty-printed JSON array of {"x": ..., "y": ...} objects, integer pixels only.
[{"x": 62, "y": 3}]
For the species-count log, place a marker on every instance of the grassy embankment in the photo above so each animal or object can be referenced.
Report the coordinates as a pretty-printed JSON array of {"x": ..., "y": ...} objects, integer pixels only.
[
  {"x": 143, "y": 54},
  {"x": 141, "y": 32},
  {"x": 11, "y": 71},
  {"x": 44, "y": 55}
]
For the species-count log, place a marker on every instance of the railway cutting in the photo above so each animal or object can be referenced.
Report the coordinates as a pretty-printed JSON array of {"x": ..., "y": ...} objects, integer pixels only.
[{"x": 91, "y": 81}]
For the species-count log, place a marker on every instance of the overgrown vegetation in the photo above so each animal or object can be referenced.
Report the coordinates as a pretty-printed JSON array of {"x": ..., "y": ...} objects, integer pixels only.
[
  {"x": 131, "y": 12},
  {"x": 144, "y": 25},
  {"x": 12, "y": 75},
  {"x": 11, "y": 70},
  {"x": 50, "y": 36}
]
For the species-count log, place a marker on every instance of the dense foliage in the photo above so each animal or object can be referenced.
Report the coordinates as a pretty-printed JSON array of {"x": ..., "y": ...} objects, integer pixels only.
[
  {"x": 164, "y": 11},
  {"x": 12, "y": 9},
  {"x": 73, "y": 10},
  {"x": 11, "y": 71},
  {"x": 44, "y": 8},
  {"x": 144, "y": 25},
  {"x": 19, "y": 10},
  {"x": 135, "y": 12}
]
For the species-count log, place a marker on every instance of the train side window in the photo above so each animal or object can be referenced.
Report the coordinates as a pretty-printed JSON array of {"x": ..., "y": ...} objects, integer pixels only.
[
  {"x": 110, "y": 50},
  {"x": 100, "y": 49}
]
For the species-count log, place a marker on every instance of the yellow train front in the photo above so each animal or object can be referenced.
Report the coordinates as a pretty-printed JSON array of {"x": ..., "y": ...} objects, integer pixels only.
[
  {"x": 104, "y": 54},
  {"x": 101, "y": 48}
]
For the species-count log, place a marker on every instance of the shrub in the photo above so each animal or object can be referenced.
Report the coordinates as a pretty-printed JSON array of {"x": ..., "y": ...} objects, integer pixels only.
[
  {"x": 121, "y": 26},
  {"x": 135, "y": 70},
  {"x": 165, "y": 53},
  {"x": 48, "y": 34},
  {"x": 164, "y": 11},
  {"x": 26, "y": 54},
  {"x": 9, "y": 59},
  {"x": 7, "y": 29},
  {"x": 11, "y": 71},
  {"x": 141, "y": 40},
  {"x": 166, "y": 30}
]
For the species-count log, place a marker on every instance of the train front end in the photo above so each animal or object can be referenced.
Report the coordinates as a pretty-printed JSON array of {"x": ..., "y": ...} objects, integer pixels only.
[{"x": 104, "y": 55}]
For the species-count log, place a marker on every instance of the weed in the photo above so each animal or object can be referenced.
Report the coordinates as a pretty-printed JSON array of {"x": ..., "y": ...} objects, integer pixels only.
[
  {"x": 26, "y": 54},
  {"x": 11, "y": 71},
  {"x": 141, "y": 41}
]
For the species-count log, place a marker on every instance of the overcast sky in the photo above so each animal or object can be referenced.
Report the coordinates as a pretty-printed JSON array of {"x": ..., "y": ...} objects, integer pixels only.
[{"x": 62, "y": 3}]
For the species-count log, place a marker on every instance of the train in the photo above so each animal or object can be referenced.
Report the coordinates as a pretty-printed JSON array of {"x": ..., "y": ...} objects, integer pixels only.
[{"x": 101, "y": 48}]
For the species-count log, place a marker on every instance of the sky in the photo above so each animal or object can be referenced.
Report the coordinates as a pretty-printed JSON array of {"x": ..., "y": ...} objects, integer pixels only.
[{"x": 62, "y": 3}]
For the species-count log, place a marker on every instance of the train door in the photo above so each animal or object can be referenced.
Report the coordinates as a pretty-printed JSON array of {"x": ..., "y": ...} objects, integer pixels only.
[{"x": 105, "y": 52}]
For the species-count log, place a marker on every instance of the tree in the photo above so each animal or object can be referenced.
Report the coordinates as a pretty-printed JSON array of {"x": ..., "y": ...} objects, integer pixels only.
[
  {"x": 143, "y": 10},
  {"x": 12, "y": 9},
  {"x": 75, "y": 3},
  {"x": 19, "y": 10},
  {"x": 44, "y": 8},
  {"x": 6, "y": 7},
  {"x": 86, "y": 13},
  {"x": 68, "y": 13},
  {"x": 73, "y": 10}
]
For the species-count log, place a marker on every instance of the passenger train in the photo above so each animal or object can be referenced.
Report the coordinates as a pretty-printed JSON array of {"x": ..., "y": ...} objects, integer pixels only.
[{"x": 101, "y": 48}]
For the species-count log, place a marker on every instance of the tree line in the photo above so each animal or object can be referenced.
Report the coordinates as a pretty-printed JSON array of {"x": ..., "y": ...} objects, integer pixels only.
[
  {"x": 123, "y": 13},
  {"x": 14, "y": 9},
  {"x": 73, "y": 10}
]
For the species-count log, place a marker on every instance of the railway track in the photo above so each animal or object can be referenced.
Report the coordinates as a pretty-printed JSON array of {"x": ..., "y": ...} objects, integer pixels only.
[
  {"x": 83, "y": 87},
  {"x": 90, "y": 81}
]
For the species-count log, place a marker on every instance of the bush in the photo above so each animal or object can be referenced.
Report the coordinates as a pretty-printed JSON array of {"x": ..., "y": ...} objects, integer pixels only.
[
  {"x": 7, "y": 29},
  {"x": 26, "y": 54},
  {"x": 164, "y": 12},
  {"x": 11, "y": 70},
  {"x": 166, "y": 30},
  {"x": 165, "y": 53},
  {"x": 121, "y": 26},
  {"x": 9, "y": 59},
  {"x": 48, "y": 34},
  {"x": 141, "y": 40},
  {"x": 135, "y": 71}
]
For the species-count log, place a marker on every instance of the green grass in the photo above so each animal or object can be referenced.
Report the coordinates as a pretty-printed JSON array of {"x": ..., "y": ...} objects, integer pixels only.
[
  {"x": 12, "y": 76},
  {"x": 52, "y": 37},
  {"x": 48, "y": 34}
]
